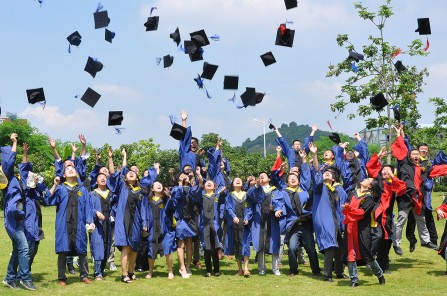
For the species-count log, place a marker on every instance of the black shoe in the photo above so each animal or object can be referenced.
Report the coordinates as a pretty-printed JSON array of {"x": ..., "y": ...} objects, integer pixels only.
[
  {"x": 70, "y": 269},
  {"x": 28, "y": 285},
  {"x": 328, "y": 279},
  {"x": 398, "y": 250},
  {"x": 342, "y": 276},
  {"x": 353, "y": 284},
  {"x": 412, "y": 247},
  {"x": 317, "y": 274},
  {"x": 430, "y": 245},
  {"x": 12, "y": 285},
  {"x": 382, "y": 280}
]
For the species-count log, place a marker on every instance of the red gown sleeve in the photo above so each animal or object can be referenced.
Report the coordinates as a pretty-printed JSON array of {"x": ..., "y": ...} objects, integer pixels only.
[
  {"x": 399, "y": 149},
  {"x": 353, "y": 214},
  {"x": 277, "y": 165},
  {"x": 398, "y": 186},
  {"x": 373, "y": 166},
  {"x": 438, "y": 170}
]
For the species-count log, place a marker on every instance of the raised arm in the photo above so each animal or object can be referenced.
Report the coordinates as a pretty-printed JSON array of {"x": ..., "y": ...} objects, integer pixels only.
[
  {"x": 313, "y": 149},
  {"x": 398, "y": 148},
  {"x": 83, "y": 145},
  {"x": 52, "y": 143},
  {"x": 110, "y": 160},
  {"x": 9, "y": 155},
  {"x": 124, "y": 154}
]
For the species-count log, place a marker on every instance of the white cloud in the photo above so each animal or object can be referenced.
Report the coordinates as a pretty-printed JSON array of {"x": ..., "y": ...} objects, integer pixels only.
[
  {"x": 438, "y": 72},
  {"x": 120, "y": 92}
]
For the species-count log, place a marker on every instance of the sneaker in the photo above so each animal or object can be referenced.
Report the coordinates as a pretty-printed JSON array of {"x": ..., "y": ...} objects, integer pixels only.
[
  {"x": 262, "y": 272},
  {"x": 70, "y": 269},
  {"x": 398, "y": 250},
  {"x": 430, "y": 245},
  {"x": 112, "y": 266},
  {"x": 354, "y": 284},
  {"x": 382, "y": 280},
  {"x": 183, "y": 274},
  {"x": 28, "y": 285},
  {"x": 12, "y": 285},
  {"x": 277, "y": 273},
  {"x": 75, "y": 261}
]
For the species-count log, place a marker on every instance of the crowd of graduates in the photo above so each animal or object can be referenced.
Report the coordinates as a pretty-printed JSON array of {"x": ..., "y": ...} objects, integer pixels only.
[{"x": 342, "y": 205}]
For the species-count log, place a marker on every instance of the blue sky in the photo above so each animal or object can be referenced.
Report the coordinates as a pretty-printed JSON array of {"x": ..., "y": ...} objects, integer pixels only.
[{"x": 33, "y": 53}]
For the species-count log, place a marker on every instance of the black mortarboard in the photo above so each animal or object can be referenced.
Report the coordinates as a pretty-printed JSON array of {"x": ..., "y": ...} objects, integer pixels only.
[
  {"x": 208, "y": 71},
  {"x": 249, "y": 97},
  {"x": 199, "y": 38},
  {"x": 356, "y": 56},
  {"x": 115, "y": 118},
  {"x": 399, "y": 66},
  {"x": 177, "y": 131},
  {"x": 196, "y": 55},
  {"x": 335, "y": 171},
  {"x": 268, "y": 58},
  {"x": 92, "y": 66},
  {"x": 74, "y": 38},
  {"x": 152, "y": 23},
  {"x": 291, "y": 4},
  {"x": 101, "y": 19},
  {"x": 231, "y": 82},
  {"x": 35, "y": 95},
  {"x": 396, "y": 114},
  {"x": 176, "y": 36},
  {"x": 109, "y": 35},
  {"x": 90, "y": 97},
  {"x": 284, "y": 36},
  {"x": 189, "y": 46},
  {"x": 423, "y": 26},
  {"x": 259, "y": 97},
  {"x": 271, "y": 126},
  {"x": 378, "y": 102},
  {"x": 335, "y": 137},
  {"x": 167, "y": 61}
]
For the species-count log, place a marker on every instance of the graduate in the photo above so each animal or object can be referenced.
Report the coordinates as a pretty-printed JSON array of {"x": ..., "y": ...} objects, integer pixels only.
[
  {"x": 33, "y": 212},
  {"x": 211, "y": 199},
  {"x": 73, "y": 208},
  {"x": 328, "y": 196},
  {"x": 14, "y": 215},
  {"x": 358, "y": 219},
  {"x": 391, "y": 187},
  {"x": 352, "y": 163},
  {"x": 441, "y": 213},
  {"x": 101, "y": 200},
  {"x": 238, "y": 235},
  {"x": 161, "y": 239},
  {"x": 130, "y": 212}
]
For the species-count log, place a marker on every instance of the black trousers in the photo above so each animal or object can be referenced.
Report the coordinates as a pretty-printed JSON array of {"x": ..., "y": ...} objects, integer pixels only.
[
  {"x": 212, "y": 254},
  {"x": 429, "y": 222},
  {"x": 62, "y": 266}
]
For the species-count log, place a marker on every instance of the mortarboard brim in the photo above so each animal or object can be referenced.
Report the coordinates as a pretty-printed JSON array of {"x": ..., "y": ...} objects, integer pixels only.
[
  {"x": 92, "y": 67},
  {"x": 423, "y": 26},
  {"x": 90, "y": 97},
  {"x": 178, "y": 132},
  {"x": 208, "y": 71},
  {"x": 268, "y": 58},
  {"x": 167, "y": 61},
  {"x": 335, "y": 137},
  {"x": 152, "y": 23},
  {"x": 378, "y": 102},
  {"x": 102, "y": 19},
  {"x": 284, "y": 36},
  {"x": 356, "y": 56},
  {"x": 199, "y": 38},
  {"x": 115, "y": 118},
  {"x": 109, "y": 35},
  {"x": 231, "y": 82},
  {"x": 35, "y": 95},
  {"x": 399, "y": 66},
  {"x": 74, "y": 38},
  {"x": 176, "y": 36}
]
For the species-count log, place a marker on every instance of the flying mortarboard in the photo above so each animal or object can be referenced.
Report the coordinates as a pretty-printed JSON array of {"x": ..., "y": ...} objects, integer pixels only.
[
  {"x": 189, "y": 46},
  {"x": 249, "y": 97},
  {"x": 93, "y": 66},
  {"x": 196, "y": 55},
  {"x": 199, "y": 38},
  {"x": 399, "y": 66},
  {"x": 291, "y": 4},
  {"x": 115, "y": 118},
  {"x": 74, "y": 38},
  {"x": 356, "y": 56},
  {"x": 423, "y": 26},
  {"x": 177, "y": 131},
  {"x": 268, "y": 58},
  {"x": 176, "y": 36},
  {"x": 109, "y": 35},
  {"x": 284, "y": 36},
  {"x": 101, "y": 19},
  {"x": 152, "y": 23},
  {"x": 335, "y": 137},
  {"x": 396, "y": 113},
  {"x": 208, "y": 71},
  {"x": 35, "y": 95},
  {"x": 378, "y": 102},
  {"x": 231, "y": 82},
  {"x": 167, "y": 61},
  {"x": 90, "y": 97}
]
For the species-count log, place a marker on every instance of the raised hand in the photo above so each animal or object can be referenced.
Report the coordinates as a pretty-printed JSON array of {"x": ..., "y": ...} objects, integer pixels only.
[
  {"x": 357, "y": 136},
  {"x": 313, "y": 147},
  {"x": 52, "y": 143},
  {"x": 73, "y": 148},
  {"x": 57, "y": 181},
  {"x": 14, "y": 137},
  {"x": 82, "y": 140},
  {"x": 314, "y": 128},
  {"x": 123, "y": 152},
  {"x": 184, "y": 115},
  {"x": 25, "y": 148},
  {"x": 278, "y": 149},
  {"x": 109, "y": 152}
]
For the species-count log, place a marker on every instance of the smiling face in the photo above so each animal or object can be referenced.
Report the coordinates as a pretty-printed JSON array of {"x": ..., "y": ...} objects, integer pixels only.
[
  {"x": 70, "y": 172},
  {"x": 328, "y": 155},
  {"x": 101, "y": 180},
  {"x": 131, "y": 177},
  {"x": 237, "y": 183},
  {"x": 135, "y": 169},
  {"x": 209, "y": 186},
  {"x": 157, "y": 187},
  {"x": 194, "y": 145},
  {"x": 387, "y": 173},
  {"x": 350, "y": 155},
  {"x": 366, "y": 183},
  {"x": 327, "y": 176},
  {"x": 293, "y": 181},
  {"x": 264, "y": 178},
  {"x": 68, "y": 162}
]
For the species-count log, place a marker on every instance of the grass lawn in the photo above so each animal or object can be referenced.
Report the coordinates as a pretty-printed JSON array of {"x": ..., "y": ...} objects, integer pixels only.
[{"x": 417, "y": 273}]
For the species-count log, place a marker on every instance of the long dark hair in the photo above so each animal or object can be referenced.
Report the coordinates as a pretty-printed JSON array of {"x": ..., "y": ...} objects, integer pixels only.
[{"x": 376, "y": 192}]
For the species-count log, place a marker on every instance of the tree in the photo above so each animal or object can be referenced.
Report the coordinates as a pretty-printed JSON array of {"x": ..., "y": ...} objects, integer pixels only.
[{"x": 378, "y": 74}]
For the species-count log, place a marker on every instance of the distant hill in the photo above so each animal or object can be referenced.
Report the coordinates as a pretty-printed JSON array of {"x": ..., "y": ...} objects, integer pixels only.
[{"x": 292, "y": 131}]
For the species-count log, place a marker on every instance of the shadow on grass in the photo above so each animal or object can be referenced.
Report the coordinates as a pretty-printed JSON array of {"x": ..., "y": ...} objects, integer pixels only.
[{"x": 439, "y": 273}]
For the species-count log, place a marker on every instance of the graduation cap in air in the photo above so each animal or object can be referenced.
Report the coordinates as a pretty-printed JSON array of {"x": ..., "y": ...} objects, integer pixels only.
[
  {"x": 74, "y": 38},
  {"x": 115, "y": 118},
  {"x": 231, "y": 82},
  {"x": 189, "y": 46},
  {"x": 152, "y": 23},
  {"x": 35, "y": 95},
  {"x": 423, "y": 26},
  {"x": 177, "y": 131},
  {"x": 208, "y": 71},
  {"x": 291, "y": 4},
  {"x": 251, "y": 98},
  {"x": 399, "y": 66},
  {"x": 93, "y": 66},
  {"x": 196, "y": 55},
  {"x": 284, "y": 36},
  {"x": 268, "y": 58},
  {"x": 109, "y": 35},
  {"x": 378, "y": 102},
  {"x": 271, "y": 125},
  {"x": 102, "y": 19},
  {"x": 335, "y": 137},
  {"x": 356, "y": 56},
  {"x": 199, "y": 38},
  {"x": 90, "y": 97},
  {"x": 167, "y": 61},
  {"x": 176, "y": 36}
]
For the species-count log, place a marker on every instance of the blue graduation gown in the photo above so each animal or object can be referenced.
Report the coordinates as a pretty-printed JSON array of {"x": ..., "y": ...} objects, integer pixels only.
[
  {"x": 14, "y": 213},
  {"x": 128, "y": 237},
  {"x": 238, "y": 237},
  {"x": 187, "y": 157},
  {"x": 289, "y": 152},
  {"x": 101, "y": 237},
  {"x": 327, "y": 216},
  {"x": 292, "y": 216},
  {"x": 80, "y": 164},
  {"x": 60, "y": 199},
  {"x": 184, "y": 211}
]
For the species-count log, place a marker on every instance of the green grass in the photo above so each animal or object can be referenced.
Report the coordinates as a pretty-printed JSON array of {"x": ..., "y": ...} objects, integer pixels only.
[{"x": 421, "y": 272}]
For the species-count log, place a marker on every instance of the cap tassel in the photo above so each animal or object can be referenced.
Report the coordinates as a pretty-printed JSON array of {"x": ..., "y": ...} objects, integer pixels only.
[
  {"x": 427, "y": 45},
  {"x": 172, "y": 119},
  {"x": 233, "y": 99},
  {"x": 180, "y": 48},
  {"x": 289, "y": 22},
  {"x": 118, "y": 130},
  {"x": 398, "y": 52},
  {"x": 215, "y": 37},
  {"x": 99, "y": 7},
  {"x": 69, "y": 48},
  {"x": 354, "y": 67},
  {"x": 329, "y": 123},
  {"x": 207, "y": 94},
  {"x": 43, "y": 104},
  {"x": 157, "y": 60},
  {"x": 152, "y": 9},
  {"x": 404, "y": 122}
]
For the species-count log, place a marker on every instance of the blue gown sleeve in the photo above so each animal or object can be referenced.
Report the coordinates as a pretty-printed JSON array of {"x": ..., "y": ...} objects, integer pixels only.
[
  {"x": 249, "y": 211},
  {"x": 81, "y": 167},
  {"x": 151, "y": 178},
  {"x": 195, "y": 192},
  {"x": 24, "y": 169},
  {"x": 52, "y": 199},
  {"x": 214, "y": 159},
  {"x": 59, "y": 168},
  {"x": 339, "y": 156},
  {"x": 144, "y": 211},
  {"x": 229, "y": 205},
  {"x": 94, "y": 174},
  {"x": 305, "y": 177},
  {"x": 185, "y": 145},
  {"x": 342, "y": 199},
  {"x": 115, "y": 181},
  {"x": 286, "y": 150},
  {"x": 362, "y": 148},
  {"x": 407, "y": 143},
  {"x": 95, "y": 206},
  {"x": 227, "y": 166},
  {"x": 317, "y": 180},
  {"x": 256, "y": 194},
  {"x": 308, "y": 140},
  {"x": 8, "y": 160}
]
